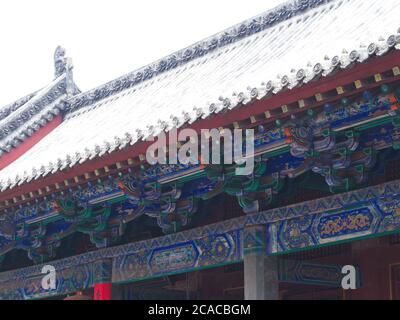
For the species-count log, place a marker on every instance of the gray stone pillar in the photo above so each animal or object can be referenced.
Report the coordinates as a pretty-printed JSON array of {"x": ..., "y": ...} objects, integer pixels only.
[
  {"x": 271, "y": 279},
  {"x": 260, "y": 271},
  {"x": 117, "y": 292}
]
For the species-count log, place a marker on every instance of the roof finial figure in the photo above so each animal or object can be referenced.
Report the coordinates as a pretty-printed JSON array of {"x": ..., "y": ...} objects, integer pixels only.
[
  {"x": 62, "y": 64},
  {"x": 60, "y": 61}
]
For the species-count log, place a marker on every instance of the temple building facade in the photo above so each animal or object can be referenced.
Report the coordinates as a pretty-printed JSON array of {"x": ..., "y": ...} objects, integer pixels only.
[{"x": 318, "y": 84}]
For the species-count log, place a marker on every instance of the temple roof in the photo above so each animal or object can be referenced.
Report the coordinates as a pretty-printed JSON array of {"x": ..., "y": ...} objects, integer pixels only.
[
  {"x": 26, "y": 115},
  {"x": 22, "y": 118},
  {"x": 281, "y": 49}
]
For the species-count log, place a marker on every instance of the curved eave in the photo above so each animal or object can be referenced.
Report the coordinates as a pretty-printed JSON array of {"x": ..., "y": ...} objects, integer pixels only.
[
  {"x": 47, "y": 182},
  {"x": 33, "y": 115}
]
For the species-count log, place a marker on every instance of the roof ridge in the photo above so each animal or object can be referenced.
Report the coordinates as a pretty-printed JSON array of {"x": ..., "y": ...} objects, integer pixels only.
[
  {"x": 239, "y": 31},
  {"x": 24, "y": 121},
  {"x": 9, "y": 108}
]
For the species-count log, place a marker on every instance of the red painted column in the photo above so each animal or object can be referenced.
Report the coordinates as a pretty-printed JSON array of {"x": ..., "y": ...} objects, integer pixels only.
[
  {"x": 102, "y": 274},
  {"x": 102, "y": 291}
]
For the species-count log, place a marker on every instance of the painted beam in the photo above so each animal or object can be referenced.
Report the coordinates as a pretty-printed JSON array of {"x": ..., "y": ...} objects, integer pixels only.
[
  {"x": 306, "y": 273},
  {"x": 373, "y": 211}
]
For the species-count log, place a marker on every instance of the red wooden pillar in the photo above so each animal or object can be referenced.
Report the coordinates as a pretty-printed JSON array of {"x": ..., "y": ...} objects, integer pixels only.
[
  {"x": 102, "y": 279},
  {"x": 102, "y": 291}
]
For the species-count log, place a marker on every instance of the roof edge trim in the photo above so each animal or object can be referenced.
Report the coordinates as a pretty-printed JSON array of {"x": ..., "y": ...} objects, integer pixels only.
[{"x": 235, "y": 33}]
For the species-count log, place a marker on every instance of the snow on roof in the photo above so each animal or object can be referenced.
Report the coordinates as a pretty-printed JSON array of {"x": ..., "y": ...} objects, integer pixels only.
[
  {"x": 283, "y": 48},
  {"x": 28, "y": 114}
]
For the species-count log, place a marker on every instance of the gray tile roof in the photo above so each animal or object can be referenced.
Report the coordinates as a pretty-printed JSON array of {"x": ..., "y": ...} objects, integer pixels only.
[{"x": 280, "y": 49}]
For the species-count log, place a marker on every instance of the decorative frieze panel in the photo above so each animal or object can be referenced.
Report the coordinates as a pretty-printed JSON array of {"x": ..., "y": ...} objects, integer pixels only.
[
  {"x": 194, "y": 254},
  {"x": 68, "y": 280},
  {"x": 369, "y": 217}
]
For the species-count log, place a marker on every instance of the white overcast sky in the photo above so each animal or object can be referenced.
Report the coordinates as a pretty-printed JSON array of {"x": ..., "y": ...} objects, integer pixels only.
[{"x": 105, "y": 39}]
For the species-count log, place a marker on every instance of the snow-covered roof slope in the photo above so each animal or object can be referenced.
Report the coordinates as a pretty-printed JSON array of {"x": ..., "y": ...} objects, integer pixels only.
[
  {"x": 284, "y": 47},
  {"x": 25, "y": 116}
]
